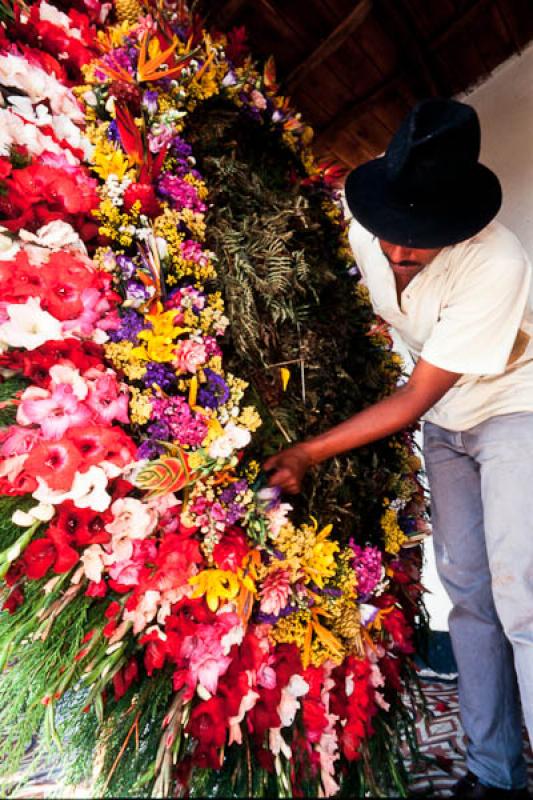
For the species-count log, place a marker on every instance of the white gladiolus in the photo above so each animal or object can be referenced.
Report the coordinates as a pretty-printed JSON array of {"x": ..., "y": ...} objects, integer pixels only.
[{"x": 29, "y": 326}]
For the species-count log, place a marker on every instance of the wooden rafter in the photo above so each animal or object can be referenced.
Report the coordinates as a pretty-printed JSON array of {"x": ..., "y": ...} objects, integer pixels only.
[
  {"x": 331, "y": 44},
  {"x": 227, "y": 11},
  {"x": 356, "y": 108},
  {"x": 414, "y": 49}
]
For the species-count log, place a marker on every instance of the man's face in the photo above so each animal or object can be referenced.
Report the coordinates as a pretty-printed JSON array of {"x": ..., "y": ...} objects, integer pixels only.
[{"x": 407, "y": 259}]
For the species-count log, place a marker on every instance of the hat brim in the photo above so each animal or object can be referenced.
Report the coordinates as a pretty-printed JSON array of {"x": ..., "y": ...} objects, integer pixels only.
[{"x": 473, "y": 204}]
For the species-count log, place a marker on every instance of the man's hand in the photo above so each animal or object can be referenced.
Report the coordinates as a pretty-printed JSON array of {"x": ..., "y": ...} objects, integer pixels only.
[
  {"x": 289, "y": 468},
  {"x": 424, "y": 388}
]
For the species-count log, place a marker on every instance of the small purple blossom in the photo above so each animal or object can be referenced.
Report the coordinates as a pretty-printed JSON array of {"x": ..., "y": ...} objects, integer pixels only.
[
  {"x": 150, "y": 449},
  {"x": 159, "y": 430},
  {"x": 180, "y": 193},
  {"x": 215, "y": 392},
  {"x": 131, "y": 324},
  {"x": 137, "y": 292},
  {"x": 112, "y": 131},
  {"x": 186, "y": 427},
  {"x": 127, "y": 267},
  {"x": 160, "y": 374},
  {"x": 181, "y": 148},
  {"x": 149, "y": 101}
]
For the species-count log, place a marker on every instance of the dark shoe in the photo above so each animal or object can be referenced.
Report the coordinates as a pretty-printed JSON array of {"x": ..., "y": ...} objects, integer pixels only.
[{"x": 471, "y": 788}]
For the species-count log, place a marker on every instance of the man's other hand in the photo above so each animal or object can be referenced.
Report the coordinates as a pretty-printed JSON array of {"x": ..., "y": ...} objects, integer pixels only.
[{"x": 288, "y": 468}]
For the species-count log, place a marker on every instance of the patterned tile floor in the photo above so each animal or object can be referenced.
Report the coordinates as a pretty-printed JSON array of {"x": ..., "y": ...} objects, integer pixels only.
[
  {"x": 440, "y": 736},
  {"x": 442, "y": 743}
]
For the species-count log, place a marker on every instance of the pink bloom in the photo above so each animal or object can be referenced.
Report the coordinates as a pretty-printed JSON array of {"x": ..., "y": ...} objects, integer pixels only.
[
  {"x": 18, "y": 441},
  {"x": 54, "y": 411},
  {"x": 190, "y": 355},
  {"x": 107, "y": 399},
  {"x": 258, "y": 99},
  {"x": 128, "y": 573},
  {"x": 132, "y": 520},
  {"x": 275, "y": 591}
]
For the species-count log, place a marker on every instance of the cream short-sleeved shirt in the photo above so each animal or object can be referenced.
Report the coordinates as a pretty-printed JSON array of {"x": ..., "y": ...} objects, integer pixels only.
[{"x": 468, "y": 311}]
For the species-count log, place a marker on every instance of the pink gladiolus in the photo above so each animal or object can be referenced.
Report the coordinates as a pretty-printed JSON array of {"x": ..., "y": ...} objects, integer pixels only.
[
  {"x": 106, "y": 399},
  {"x": 54, "y": 411}
]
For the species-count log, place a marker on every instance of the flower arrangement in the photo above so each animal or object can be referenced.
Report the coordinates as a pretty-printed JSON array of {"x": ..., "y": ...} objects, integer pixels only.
[{"x": 168, "y": 605}]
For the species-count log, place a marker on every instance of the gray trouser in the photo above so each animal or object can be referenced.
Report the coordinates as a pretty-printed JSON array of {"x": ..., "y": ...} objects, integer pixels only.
[{"x": 481, "y": 483}]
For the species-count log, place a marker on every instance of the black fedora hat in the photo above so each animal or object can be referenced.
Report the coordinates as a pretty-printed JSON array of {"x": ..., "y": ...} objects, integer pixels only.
[{"x": 429, "y": 189}]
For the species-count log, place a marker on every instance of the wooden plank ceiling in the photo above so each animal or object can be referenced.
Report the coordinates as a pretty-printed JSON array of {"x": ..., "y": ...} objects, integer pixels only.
[{"x": 355, "y": 67}]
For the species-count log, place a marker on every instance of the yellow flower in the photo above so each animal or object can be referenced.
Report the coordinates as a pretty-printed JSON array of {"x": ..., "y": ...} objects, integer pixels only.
[
  {"x": 249, "y": 418},
  {"x": 393, "y": 534},
  {"x": 220, "y": 585},
  {"x": 319, "y": 561},
  {"x": 157, "y": 348}
]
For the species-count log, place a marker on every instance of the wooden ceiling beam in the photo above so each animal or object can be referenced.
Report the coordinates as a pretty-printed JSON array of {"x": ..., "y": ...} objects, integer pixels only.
[
  {"x": 351, "y": 111},
  {"x": 459, "y": 22},
  {"x": 359, "y": 107},
  {"x": 412, "y": 47},
  {"x": 227, "y": 11},
  {"x": 331, "y": 44}
]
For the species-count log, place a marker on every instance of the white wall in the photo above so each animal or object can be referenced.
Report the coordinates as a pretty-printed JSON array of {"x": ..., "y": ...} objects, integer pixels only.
[{"x": 504, "y": 103}]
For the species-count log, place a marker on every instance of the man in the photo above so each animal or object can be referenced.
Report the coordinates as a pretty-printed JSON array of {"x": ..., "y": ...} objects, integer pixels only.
[{"x": 455, "y": 285}]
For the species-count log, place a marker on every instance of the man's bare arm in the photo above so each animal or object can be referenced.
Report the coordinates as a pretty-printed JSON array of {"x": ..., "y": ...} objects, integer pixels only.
[{"x": 425, "y": 387}]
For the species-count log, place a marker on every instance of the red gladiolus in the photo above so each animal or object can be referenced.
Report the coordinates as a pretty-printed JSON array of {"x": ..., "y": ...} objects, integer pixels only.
[
  {"x": 208, "y": 723},
  {"x": 230, "y": 551},
  {"x": 54, "y": 462},
  {"x": 84, "y": 525},
  {"x": 38, "y": 557},
  {"x": 14, "y": 599},
  {"x": 124, "y": 678},
  {"x": 96, "y": 589}
]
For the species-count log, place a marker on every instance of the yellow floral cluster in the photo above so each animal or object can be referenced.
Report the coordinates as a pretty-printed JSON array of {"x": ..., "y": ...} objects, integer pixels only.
[
  {"x": 293, "y": 630},
  {"x": 166, "y": 226},
  {"x": 117, "y": 225},
  {"x": 120, "y": 355},
  {"x": 393, "y": 535},
  {"x": 159, "y": 342},
  {"x": 140, "y": 406},
  {"x": 107, "y": 159},
  {"x": 309, "y": 554}
]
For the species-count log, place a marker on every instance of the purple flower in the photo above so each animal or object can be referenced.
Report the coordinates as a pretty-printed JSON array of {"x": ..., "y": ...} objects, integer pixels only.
[
  {"x": 137, "y": 292},
  {"x": 131, "y": 324},
  {"x": 215, "y": 392},
  {"x": 150, "y": 449},
  {"x": 126, "y": 266},
  {"x": 160, "y": 374},
  {"x": 181, "y": 148},
  {"x": 180, "y": 193},
  {"x": 184, "y": 425},
  {"x": 159, "y": 430},
  {"x": 112, "y": 131},
  {"x": 150, "y": 101}
]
